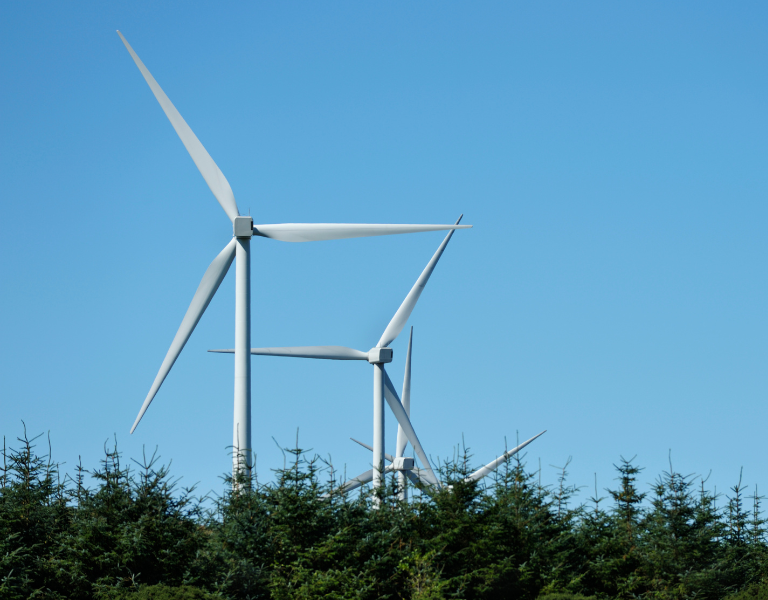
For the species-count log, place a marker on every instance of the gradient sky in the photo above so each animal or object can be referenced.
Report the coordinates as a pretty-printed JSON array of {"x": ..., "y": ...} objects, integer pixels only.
[{"x": 611, "y": 157}]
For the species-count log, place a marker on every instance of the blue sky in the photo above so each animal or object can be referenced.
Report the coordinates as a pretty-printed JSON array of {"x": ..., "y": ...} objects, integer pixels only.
[{"x": 611, "y": 157}]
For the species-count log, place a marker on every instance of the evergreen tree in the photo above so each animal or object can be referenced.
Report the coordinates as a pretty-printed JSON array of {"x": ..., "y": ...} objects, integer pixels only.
[
  {"x": 136, "y": 535},
  {"x": 524, "y": 536},
  {"x": 132, "y": 531},
  {"x": 744, "y": 552},
  {"x": 609, "y": 541},
  {"x": 33, "y": 516},
  {"x": 681, "y": 542}
]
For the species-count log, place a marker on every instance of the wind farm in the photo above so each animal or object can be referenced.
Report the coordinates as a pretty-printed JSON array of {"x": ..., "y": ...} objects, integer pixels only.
[
  {"x": 524, "y": 409},
  {"x": 239, "y": 247},
  {"x": 243, "y": 232}
]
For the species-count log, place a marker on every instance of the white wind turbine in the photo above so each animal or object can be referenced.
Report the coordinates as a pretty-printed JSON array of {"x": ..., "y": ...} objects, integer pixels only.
[
  {"x": 239, "y": 246},
  {"x": 404, "y": 466},
  {"x": 383, "y": 389}
]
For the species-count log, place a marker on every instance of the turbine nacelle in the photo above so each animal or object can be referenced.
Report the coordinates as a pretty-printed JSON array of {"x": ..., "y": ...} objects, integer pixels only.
[
  {"x": 380, "y": 356},
  {"x": 403, "y": 463},
  {"x": 242, "y": 227}
]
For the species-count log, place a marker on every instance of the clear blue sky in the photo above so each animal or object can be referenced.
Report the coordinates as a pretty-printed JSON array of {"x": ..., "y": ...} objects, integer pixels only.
[{"x": 611, "y": 157}]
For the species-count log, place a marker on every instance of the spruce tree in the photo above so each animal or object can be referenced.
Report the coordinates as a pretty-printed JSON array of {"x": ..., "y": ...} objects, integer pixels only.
[
  {"x": 33, "y": 517},
  {"x": 681, "y": 541}
]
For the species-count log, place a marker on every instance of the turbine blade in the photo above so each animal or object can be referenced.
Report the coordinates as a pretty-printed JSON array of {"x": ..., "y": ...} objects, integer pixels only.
[
  {"x": 419, "y": 475},
  {"x": 493, "y": 465},
  {"x": 402, "y": 440},
  {"x": 317, "y": 232},
  {"x": 325, "y": 352},
  {"x": 389, "y": 457},
  {"x": 356, "y": 482},
  {"x": 360, "y": 480},
  {"x": 397, "y": 408},
  {"x": 425, "y": 486},
  {"x": 208, "y": 169},
  {"x": 406, "y": 308},
  {"x": 210, "y": 283}
]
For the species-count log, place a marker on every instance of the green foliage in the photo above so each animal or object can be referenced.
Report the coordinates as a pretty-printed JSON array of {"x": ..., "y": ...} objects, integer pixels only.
[
  {"x": 157, "y": 592},
  {"x": 753, "y": 592},
  {"x": 33, "y": 516},
  {"x": 611, "y": 541},
  {"x": 564, "y": 596},
  {"x": 135, "y": 535},
  {"x": 133, "y": 529}
]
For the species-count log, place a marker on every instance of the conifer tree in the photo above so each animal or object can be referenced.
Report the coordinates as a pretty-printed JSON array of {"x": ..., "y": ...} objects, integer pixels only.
[
  {"x": 132, "y": 530},
  {"x": 743, "y": 561},
  {"x": 135, "y": 534},
  {"x": 33, "y": 516},
  {"x": 609, "y": 541},
  {"x": 680, "y": 545}
]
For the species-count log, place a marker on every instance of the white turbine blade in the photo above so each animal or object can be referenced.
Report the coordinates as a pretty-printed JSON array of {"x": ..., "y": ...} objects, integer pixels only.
[
  {"x": 208, "y": 169},
  {"x": 406, "y": 308},
  {"x": 318, "y": 232},
  {"x": 419, "y": 475},
  {"x": 418, "y": 481},
  {"x": 389, "y": 457},
  {"x": 200, "y": 301},
  {"x": 397, "y": 408},
  {"x": 493, "y": 465},
  {"x": 324, "y": 352},
  {"x": 360, "y": 480},
  {"x": 402, "y": 440},
  {"x": 356, "y": 482}
]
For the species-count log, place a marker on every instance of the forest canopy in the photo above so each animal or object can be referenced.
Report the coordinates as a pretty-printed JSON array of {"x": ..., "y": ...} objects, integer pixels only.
[{"x": 127, "y": 530}]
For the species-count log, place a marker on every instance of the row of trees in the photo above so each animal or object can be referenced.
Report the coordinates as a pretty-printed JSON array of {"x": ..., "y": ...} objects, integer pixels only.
[{"x": 133, "y": 533}]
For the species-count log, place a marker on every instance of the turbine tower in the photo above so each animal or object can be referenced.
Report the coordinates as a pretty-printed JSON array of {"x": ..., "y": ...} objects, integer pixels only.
[
  {"x": 240, "y": 247},
  {"x": 378, "y": 356}
]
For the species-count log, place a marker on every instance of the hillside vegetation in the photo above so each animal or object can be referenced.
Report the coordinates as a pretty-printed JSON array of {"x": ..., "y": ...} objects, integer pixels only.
[{"x": 131, "y": 533}]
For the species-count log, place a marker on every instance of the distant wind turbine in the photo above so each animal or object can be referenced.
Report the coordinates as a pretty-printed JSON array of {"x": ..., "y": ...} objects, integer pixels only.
[{"x": 403, "y": 465}]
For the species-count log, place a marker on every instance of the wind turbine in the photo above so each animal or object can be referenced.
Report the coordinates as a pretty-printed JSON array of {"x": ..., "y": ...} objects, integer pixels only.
[
  {"x": 378, "y": 356},
  {"x": 404, "y": 466},
  {"x": 240, "y": 247}
]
